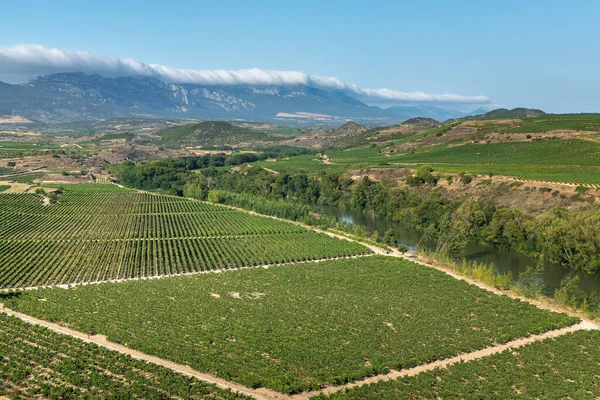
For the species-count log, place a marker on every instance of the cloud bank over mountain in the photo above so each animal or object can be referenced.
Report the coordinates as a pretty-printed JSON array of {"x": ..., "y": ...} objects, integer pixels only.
[{"x": 25, "y": 61}]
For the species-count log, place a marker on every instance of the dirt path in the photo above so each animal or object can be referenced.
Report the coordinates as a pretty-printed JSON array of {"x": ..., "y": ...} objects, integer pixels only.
[
  {"x": 271, "y": 170},
  {"x": 325, "y": 160},
  {"x": 514, "y": 344}
]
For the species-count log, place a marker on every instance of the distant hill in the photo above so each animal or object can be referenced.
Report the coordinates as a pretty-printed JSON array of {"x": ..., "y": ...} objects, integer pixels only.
[
  {"x": 419, "y": 121},
  {"x": 514, "y": 113},
  {"x": 212, "y": 134},
  {"x": 349, "y": 129},
  {"x": 423, "y": 111}
]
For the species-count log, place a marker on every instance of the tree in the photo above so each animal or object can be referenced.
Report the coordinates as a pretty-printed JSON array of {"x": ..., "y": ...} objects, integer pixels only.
[
  {"x": 389, "y": 237},
  {"x": 455, "y": 229},
  {"x": 213, "y": 196},
  {"x": 423, "y": 175}
]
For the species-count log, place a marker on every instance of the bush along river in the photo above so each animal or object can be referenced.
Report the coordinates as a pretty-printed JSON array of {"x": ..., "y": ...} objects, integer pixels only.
[{"x": 504, "y": 261}]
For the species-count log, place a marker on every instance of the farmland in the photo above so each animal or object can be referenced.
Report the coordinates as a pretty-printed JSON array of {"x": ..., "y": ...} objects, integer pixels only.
[
  {"x": 270, "y": 317},
  {"x": 38, "y": 362},
  {"x": 550, "y": 157},
  {"x": 295, "y": 328},
  {"x": 568, "y": 161},
  {"x": 547, "y": 123},
  {"x": 564, "y": 367},
  {"x": 544, "y": 152},
  {"x": 105, "y": 233}
]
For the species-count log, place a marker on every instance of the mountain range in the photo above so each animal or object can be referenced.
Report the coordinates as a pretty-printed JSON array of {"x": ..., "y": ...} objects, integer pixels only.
[{"x": 81, "y": 97}]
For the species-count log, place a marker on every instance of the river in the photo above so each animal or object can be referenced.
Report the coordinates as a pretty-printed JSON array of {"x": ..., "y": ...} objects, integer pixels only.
[{"x": 504, "y": 261}]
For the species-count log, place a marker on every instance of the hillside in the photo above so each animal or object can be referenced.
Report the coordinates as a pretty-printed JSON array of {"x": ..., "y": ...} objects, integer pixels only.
[
  {"x": 212, "y": 134},
  {"x": 351, "y": 135},
  {"x": 514, "y": 113},
  {"x": 420, "y": 121}
]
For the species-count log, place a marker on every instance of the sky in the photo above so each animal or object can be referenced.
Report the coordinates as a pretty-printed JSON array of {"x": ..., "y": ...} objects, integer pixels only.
[{"x": 529, "y": 53}]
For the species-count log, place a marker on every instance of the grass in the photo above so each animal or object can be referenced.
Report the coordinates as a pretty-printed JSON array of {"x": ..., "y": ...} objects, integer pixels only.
[
  {"x": 308, "y": 164},
  {"x": 294, "y": 328},
  {"x": 7, "y": 145},
  {"x": 562, "y": 368}
]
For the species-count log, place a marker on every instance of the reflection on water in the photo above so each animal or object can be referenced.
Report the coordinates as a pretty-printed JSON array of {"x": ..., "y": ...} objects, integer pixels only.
[{"x": 504, "y": 261}]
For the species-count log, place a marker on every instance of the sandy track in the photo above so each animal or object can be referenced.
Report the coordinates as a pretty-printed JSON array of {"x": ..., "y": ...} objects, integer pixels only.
[{"x": 271, "y": 170}]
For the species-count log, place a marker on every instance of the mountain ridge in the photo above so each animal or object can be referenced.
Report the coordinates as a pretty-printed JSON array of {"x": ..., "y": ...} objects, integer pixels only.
[{"x": 78, "y": 96}]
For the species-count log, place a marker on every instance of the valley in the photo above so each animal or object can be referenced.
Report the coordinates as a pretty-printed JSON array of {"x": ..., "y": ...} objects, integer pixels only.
[{"x": 207, "y": 250}]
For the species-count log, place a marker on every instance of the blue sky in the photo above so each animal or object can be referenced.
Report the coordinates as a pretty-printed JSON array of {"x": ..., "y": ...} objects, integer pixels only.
[{"x": 541, "y": 54}]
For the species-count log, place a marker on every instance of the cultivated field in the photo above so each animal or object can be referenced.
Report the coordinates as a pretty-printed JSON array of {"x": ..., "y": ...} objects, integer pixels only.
[
  {"x": 553, "y": 148},
  {"x": 100, "y": 232},
  {"x": 296, "y": 328},
  {"x": 38, "y": 363},
  {"x": 562, "y": 368}
]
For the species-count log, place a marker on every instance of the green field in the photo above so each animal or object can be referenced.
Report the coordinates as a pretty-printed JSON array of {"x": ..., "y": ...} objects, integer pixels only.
[
  {"x": 540, "y": 152},
  {"x": 562, "y": 368},
  {"x": 8, "y": 145},
  {"x": 24, "y": 177},
  {"x": 569, "y": 161},
  {"x": 92, "y": 235},
  {"x": 551, "y": 122},
  {"x": 44, "y": 364},
  {"x": 293, "y": 328},
  {"x": 88, "y": 187}
]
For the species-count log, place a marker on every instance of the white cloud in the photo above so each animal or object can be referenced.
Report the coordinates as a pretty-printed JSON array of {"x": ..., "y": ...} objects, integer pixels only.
[{"x": 28, "y": 60}]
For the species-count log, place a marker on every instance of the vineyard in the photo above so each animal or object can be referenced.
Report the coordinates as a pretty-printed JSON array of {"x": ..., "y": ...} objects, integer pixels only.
[
  {"x": 571, "y": 174},
  {"x": 293, "y": 329},
  {"x": 41, "y": 363},
  {"x": 544, "y": 152},
  {"x": 92, "y": 234},
  {"x": 27, "y": 177},
  {"x": 571, "y": 161},
  {"x": 561, "y": 368}
]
